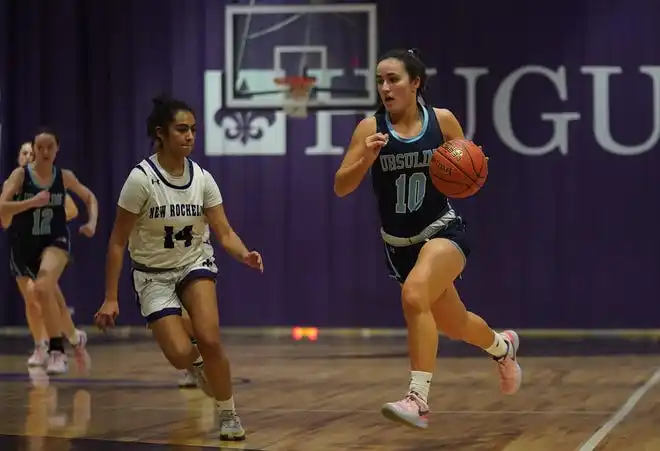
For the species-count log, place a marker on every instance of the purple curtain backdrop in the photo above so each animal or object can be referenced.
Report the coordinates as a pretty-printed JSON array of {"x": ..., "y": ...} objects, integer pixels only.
[{"x": 562, "y": 237}]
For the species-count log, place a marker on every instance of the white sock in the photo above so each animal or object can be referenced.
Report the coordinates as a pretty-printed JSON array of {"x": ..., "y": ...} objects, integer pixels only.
[
  {"x": 499, "y": 348},
  {"x": 225, "y": 405},
  {"x": 420, "y": 383},
  {"x": 41, "y": 344},
  {"x": 74, "y": 339}
]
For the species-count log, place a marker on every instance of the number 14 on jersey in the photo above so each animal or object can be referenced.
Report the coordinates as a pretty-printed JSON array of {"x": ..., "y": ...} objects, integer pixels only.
[{"x": 184, "y": 235}]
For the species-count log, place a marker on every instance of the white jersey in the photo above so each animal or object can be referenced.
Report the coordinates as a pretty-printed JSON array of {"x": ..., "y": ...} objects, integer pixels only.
[{"x": 171, "y": 229}]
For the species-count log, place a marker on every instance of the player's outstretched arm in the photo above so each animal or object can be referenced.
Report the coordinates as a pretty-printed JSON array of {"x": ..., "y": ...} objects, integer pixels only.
[
  {"x": 121, "y": 230},
  {"x": 362, "y": 152},
  {"x": 72, "y": 183},
  {"x": 229, "y": 239},
  {"x": 132, "y": 201},
  {"x": 217, "y": 220}
]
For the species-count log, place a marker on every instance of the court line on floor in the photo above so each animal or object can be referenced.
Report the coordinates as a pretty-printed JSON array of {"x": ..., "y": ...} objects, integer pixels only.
[{"x": 621, "y": 414}]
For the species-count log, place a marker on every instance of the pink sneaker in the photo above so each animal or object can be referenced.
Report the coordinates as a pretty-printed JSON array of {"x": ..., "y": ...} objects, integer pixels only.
[
  {"x": 411, "y": 411},
  {"x": 507, "y": 365}
]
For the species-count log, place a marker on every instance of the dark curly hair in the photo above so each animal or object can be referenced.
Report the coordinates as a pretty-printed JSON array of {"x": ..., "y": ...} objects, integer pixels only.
[{"x": 162, "y": 114}]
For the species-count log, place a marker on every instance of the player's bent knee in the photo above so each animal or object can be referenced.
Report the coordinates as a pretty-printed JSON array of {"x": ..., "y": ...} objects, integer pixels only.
[
  {"x": 178, "y": 351},
  {"x": 179, "y": 354},
  {"x": 208, "y": 340},
  {"x": 413, "y": 296},
  {"x": 29, "y": 297},
  {"x": 41, "y": 290}
]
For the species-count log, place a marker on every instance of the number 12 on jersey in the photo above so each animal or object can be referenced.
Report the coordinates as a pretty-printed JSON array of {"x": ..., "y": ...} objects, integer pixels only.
[
  {"x": 184, "y": 235},
  {"x": 41, "y": 219},
  {"x": 410, "y": 192}
]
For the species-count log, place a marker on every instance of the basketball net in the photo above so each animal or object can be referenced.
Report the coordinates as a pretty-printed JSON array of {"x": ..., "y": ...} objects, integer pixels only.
[{"x": 297, "y": 95}]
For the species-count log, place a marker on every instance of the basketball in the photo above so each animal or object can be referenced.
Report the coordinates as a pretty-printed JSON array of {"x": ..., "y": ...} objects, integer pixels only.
[{"x": 458, "y": 168}]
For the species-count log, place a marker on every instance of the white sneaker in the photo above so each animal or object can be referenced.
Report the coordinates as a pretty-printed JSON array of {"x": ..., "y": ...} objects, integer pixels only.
[
  {"x": 187, "y": 380},
  {"x": 58, "y": 363},
  {"x": 231, "y": 428},
  {"x": 39, "y": 357}
]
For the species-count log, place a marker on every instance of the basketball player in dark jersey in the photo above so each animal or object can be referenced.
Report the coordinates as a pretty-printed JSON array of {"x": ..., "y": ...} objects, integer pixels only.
[
  {"x": 425, "y": 242},
  {"x": 34, "y": 197},
  {"x": 42, "y": 343}
]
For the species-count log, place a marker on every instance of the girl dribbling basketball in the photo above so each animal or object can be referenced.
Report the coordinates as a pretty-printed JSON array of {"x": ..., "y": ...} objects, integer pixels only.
[{"x": 425, "y": 241}]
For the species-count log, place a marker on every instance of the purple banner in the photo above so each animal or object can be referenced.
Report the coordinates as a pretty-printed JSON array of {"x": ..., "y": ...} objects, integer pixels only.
[{"x": 564, "y": 98}]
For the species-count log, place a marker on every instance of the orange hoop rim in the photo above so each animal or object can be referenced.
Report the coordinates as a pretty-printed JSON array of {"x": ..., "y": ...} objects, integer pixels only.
[{"x": 295, "y": 82}]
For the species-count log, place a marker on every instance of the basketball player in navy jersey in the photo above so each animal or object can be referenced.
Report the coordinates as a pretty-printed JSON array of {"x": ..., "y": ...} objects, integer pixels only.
[
  {"x": 33, "y": 201},
  {"x": 40, "y": 356},
  {"x": 424, "y": 238},
  {"x": 165, "y": 210}
]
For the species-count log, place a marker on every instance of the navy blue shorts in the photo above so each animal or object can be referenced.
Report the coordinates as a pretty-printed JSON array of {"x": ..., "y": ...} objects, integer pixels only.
[
  {"x": 401, "y": 260},
  {"x": 25, "y": 256}
]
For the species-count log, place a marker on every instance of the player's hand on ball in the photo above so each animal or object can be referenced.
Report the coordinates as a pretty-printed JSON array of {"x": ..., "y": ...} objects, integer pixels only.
[
  {"x": 253, "y": 260},
  {"x": 376, "y": 142},
  {"x": 41, "y": 199},
  {"x": 88, "y": 230},
  {"x": 107, "y": 315}
]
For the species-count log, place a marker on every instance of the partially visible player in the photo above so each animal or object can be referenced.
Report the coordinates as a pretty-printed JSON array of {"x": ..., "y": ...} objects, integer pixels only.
[
  {"x": 425, "y": 241},
  {"x": 35, "y": 322},
  {"x": 164, "y": 210},
  {"x": 36, "y": 220},
  {"x": 42, "y": 343}
]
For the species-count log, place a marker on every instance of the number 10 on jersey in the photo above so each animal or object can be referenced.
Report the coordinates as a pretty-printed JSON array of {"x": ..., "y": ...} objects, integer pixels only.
[{"x": 410, "y": 192}]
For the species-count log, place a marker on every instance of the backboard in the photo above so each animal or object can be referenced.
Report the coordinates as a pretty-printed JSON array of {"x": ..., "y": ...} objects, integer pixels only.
[{"x": 335, "y": 43}]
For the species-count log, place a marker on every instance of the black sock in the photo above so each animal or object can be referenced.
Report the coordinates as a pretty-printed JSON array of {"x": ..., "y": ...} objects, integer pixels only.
[{"x": 56, "y": 344}]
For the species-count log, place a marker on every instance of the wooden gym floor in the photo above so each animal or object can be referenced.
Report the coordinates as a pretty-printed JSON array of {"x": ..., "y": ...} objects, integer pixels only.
[{"x": 325, "y": 395}]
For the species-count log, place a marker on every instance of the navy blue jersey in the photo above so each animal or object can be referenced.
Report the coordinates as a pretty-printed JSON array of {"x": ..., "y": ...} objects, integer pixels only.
[
  {"x": 44, "y": 223},
  {"x": 407, "y": 199}
]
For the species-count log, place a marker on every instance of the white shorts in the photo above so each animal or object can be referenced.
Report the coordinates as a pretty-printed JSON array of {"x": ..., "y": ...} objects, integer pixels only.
[{"x": 157, "y": 292}]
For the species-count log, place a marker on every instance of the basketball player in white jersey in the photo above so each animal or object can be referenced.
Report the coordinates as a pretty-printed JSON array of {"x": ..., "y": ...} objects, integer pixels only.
[{"x": 164, "y": 210}]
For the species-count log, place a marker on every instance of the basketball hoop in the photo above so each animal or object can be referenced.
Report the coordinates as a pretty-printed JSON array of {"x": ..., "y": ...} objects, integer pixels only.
[{"x": 297, "y": 94}]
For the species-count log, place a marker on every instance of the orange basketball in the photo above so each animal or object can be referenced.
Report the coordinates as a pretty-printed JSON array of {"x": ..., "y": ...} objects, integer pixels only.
[{"x": 458, "y": 168}]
